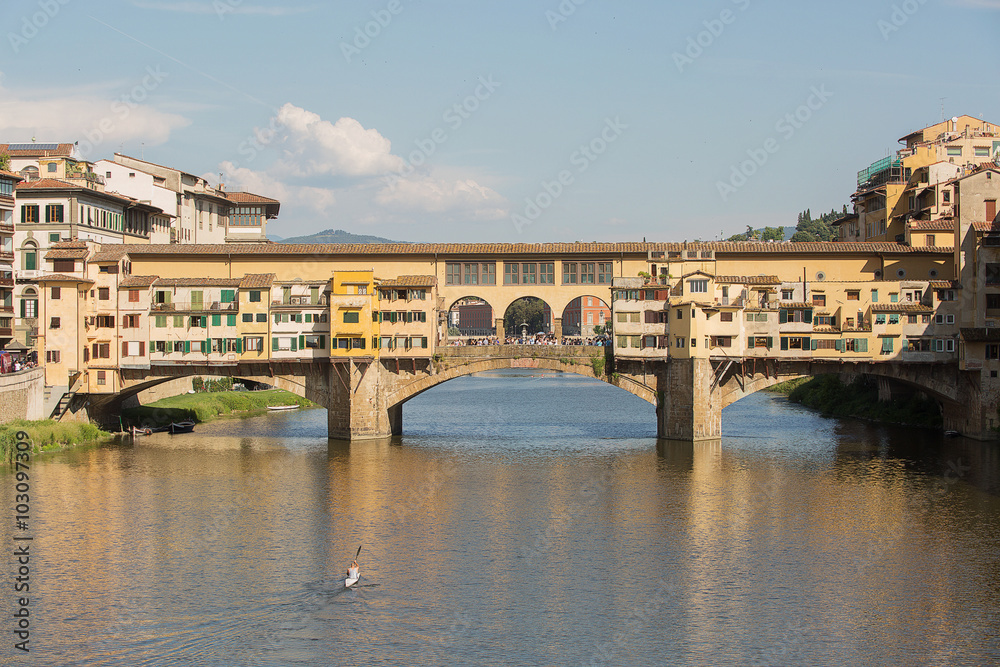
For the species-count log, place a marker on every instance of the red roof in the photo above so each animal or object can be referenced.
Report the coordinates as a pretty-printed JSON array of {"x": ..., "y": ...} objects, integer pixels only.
[{"x": 61, "y": 150}]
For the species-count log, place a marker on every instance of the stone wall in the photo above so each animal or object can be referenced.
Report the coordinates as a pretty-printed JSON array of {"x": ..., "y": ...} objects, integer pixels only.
[{"x": 22, "y": 395}]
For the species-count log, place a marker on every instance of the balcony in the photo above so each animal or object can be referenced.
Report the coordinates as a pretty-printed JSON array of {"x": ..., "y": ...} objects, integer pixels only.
[
  {"x": 6, "y": 332},
  {"x": 300, "y": 302},
  {"x": 87, "y": 176},
  {"x": 196, "y": 307},
  {"x": 7, "y": 227}
]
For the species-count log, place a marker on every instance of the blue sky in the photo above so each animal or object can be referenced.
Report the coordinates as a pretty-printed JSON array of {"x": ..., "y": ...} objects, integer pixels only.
[{"x": 513, "y": 121}]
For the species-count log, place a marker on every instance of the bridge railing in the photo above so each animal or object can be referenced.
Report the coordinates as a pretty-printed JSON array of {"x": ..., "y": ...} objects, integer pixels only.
[{"x": 507, "y": 351}]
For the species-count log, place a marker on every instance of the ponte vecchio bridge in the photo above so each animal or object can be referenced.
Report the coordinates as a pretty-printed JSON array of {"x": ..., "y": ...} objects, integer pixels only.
[{"x": 694, "y": 326}]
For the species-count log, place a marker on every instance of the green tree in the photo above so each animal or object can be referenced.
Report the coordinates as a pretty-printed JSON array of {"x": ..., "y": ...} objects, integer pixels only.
[
  {"x": 528, "y": 309},
  {"x": 4, "y": 162}
]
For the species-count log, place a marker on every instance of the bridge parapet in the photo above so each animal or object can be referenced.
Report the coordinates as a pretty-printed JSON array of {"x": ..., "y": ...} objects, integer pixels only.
[{"x": 515, "y": 351}]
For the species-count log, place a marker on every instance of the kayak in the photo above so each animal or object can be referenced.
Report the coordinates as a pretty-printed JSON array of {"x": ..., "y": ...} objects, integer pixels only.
[
  {"x": 350, "y": 581},
  {"x": 282, "y": 407}
]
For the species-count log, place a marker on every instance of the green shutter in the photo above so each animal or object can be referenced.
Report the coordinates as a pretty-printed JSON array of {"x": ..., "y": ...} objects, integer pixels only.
[
  {"x": 770, "y": 342},
  {"x": 274, "y": 343},
  {"x": 23, "y": 301},
  {"x": 231, "y": 320},
  {"x": 216, "y": 320},
  {"x": 277, "y": 318},
  {"x": 197, "y": 299},
  {"x": 322, "y": 342},
  {"x": 294, "y": 346},
  {"x": 239, "y": 345},
  {"x": 206, "y": 345},
  {"x": 228, "y": 295},
  {"x": 808, "y": 316},
  {"x": 784, "y": 343},
  {"x": 782, "y": 317},
  {"x": 309, "y": 318},
  {"x": 187, "y": 347},
  {"x": 839, "y": 345},
  {"x": 815, "y": 344},
  {"x": 806, "y": 345},
  {"x": 302, "y": 342},
  {"x": 861, "y": 344}
]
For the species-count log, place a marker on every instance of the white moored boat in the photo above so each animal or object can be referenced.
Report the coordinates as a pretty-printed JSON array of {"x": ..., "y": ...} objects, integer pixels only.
[{"x": 282, "y": 407}]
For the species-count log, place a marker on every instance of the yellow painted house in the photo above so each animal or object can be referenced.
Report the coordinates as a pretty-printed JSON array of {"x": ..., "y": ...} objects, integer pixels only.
[{"x": 353, "y": 314}]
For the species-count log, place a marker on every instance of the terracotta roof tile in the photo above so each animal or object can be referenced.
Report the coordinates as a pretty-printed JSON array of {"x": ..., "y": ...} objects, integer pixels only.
[
  {"x": 249, "y": 198},
  {"x": 467, "y": 249},
  {"x": 138, "y": 281},
  {"x": 198, "y": 282},
  {"x": 62, "y": 277},
  {"x": 940, "y": 225},
  {"x": 45, "y": 183},
  {"x": 110, "y": 253},
  {"x": 748, "y": 280},
  {"x": 67, "y": 253},
  {"x": 944, "y": 284},
  {"x": 71, "y": 244},
  {"x": 901, "y": 308},
  {"x": 796, "y": 305},
  {"x": 11, "y": 174},
  {"x": 980, "y": 334},
  {"x": 984, "y": 226},
  {"x": 409, "y": 281},
  {"x": 253, "y": 280}
]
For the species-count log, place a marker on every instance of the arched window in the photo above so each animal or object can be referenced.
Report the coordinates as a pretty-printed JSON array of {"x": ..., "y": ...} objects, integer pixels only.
[
  {"x": 29, "y": 256},
  {"x": 29, "y": 302}
]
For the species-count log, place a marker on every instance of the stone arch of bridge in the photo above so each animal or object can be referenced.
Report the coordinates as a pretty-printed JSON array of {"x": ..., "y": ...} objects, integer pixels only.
[
  {"x": 419, "y": 386},
  {"x": 945, "y": 392},
  {"x": 294, "y": 384}
]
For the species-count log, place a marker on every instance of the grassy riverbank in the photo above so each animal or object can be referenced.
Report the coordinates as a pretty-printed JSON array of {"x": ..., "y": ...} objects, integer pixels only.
[
  {"x": 46, "y": 435},
  {"x": 205, "y": 406},
  {"x": 833, "y": 398}
]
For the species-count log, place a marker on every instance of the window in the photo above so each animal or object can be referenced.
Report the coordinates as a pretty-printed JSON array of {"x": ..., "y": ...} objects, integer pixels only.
[
  {"x": 315, "y": 342},
  {"x": 352, "y": 317},
  {"x": 722, "y": 341},
  {"x": 102, "y": 377},
  {"x": 886, "y": 345},
  {"x": 29, "y": 213},
  {"x": 587, "y": 273},
  {"x": 698, "y": 286},
  {"x": 130, "y": 322},
  {"x": 949, "y": 319},
  {"x": 894, "y": 318},
  {"x": 248, "y": 317},
  {"x": 954, "y": 150},
  {"x": 853, "y": 295},
  {"x": 261, "y": 317},
  {"x": 54, "y": 323},
  {"x": 470, "y": 274},
  {"x": 54, "y": 213},
  {"x": 911, "y": 319},
  {"x": 216, "y": 319},
  {"x": 680, "y": 314},
  {"x": 880, "y": 318},
  {"x": 52, "y": 356},
  {"x": 939, "y": 319},
  {"x": 103, "y": 293},
  {"x": 547, "y": 273},
  {"x": 253, "y": 343},
  {"x": 570, "y": 276},
  {"x": 254, "y": 296},
  {"x": 993, "y": 351},
  {"x": 510, "y": 274},
  {"x": 949, "y": 294},
  {"x": 528, "y": 274},
  {"x": 726, "y": 317},
  {"x": 101, "y": 351},
  {"x": 819, "y": 299},
  {"x": 56, "y": 291},
  {"x": 893, "y": 297},
  {"x": 54, "y": 238},
  {"x": 133, "y": 296},
  {"x": 787, "y": 294},
  {"x": 981, "y": 151},
  {"x": 134, "y": 348},
  {"x": 946, "y": 197},
  {"x": 160, "y": 321},
  {"x": 105, "y": 322},
  {"x": 604, "y": 272}
]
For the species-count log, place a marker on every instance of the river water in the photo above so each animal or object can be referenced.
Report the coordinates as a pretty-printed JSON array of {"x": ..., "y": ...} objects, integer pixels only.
[{"x": 524, "y": 519}]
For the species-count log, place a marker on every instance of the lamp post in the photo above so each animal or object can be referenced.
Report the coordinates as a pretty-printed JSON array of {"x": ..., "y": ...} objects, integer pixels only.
[{"x": 524, "y": 332}]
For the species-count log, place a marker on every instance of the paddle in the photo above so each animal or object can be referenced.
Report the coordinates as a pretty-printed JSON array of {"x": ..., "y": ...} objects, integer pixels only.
[{"x": 359, "y": 552}]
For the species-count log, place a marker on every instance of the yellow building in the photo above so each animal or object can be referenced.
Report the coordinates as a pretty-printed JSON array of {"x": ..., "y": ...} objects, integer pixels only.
[{"x": 354, "y": 308}]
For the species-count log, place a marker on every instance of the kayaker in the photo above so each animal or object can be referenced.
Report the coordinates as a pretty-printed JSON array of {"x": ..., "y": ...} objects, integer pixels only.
[{"x": 352, "y": 571}]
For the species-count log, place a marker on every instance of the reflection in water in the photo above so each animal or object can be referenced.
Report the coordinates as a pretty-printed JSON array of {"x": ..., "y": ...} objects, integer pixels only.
[{"x": 525, "y": 518}]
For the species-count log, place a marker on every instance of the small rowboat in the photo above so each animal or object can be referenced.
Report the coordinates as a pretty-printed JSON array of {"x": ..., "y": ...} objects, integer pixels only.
[
  {"x": 282, "y": 407},
  {"x": 181, "y": 427},
  {"x": 141, "y": 430}
]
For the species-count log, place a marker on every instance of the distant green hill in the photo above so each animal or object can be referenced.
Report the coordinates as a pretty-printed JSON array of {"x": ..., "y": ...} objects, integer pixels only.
[{"x": 334, "y": 236}]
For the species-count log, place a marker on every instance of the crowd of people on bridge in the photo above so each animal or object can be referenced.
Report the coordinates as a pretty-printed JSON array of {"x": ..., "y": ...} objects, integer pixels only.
[{"x": 537, "y": 339}]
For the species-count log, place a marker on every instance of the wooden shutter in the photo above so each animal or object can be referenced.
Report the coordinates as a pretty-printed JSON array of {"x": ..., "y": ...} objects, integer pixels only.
[
  {"x": 782, "y": 317},
  {"x": 784, "y": 342}
]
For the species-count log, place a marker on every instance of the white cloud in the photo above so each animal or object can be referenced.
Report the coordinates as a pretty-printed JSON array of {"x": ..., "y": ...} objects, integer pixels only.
[
  {"x": 317, "y": 147},
  {"x": 90, "y": 119},
  {"x": 342, "y": 165}
]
